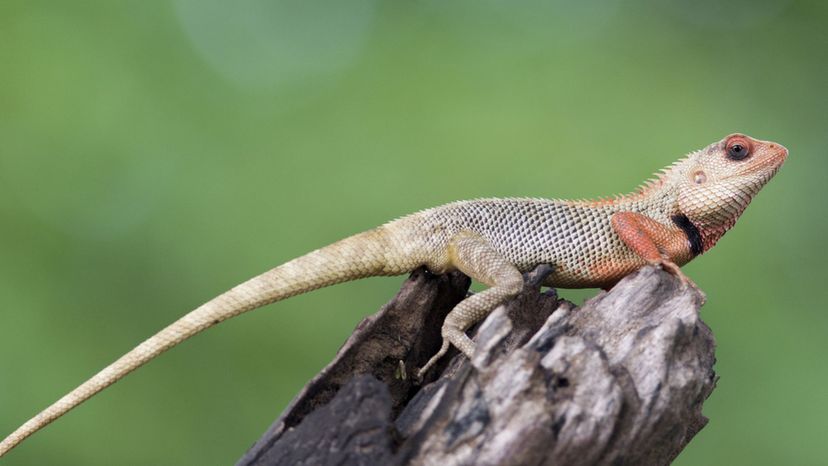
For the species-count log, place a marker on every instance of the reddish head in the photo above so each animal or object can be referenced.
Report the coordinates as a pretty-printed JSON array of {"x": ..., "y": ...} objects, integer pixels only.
[{"x": 720, "y": 181}]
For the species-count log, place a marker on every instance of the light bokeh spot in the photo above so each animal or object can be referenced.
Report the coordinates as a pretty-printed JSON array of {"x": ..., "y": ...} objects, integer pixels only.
[{"x": 261, "y": 44}]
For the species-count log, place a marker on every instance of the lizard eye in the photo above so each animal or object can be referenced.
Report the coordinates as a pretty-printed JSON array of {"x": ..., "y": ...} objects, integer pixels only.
[{"x": 738, "y": 149}]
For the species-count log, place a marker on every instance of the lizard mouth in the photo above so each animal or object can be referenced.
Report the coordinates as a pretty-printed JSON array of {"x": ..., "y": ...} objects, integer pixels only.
[{"x": 769, "y": 164}]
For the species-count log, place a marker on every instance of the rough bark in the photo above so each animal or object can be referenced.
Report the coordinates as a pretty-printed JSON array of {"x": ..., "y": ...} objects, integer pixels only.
[{"x": 620, "y": 380}]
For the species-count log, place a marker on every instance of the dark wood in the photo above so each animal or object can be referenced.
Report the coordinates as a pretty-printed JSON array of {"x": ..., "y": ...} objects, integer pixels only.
[{"x": 620, "y": 380}]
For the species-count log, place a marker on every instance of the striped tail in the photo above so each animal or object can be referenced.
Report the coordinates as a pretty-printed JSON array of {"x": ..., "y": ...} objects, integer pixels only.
[{"x": 359, "y": 256}]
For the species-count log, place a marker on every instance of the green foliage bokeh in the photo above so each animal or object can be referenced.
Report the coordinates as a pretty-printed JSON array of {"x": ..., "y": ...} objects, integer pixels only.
[{"x": 153, "y": 154}]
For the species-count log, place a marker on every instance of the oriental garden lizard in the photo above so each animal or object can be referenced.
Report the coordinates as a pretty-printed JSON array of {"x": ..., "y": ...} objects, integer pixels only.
[{"x": 670, "y": 219}]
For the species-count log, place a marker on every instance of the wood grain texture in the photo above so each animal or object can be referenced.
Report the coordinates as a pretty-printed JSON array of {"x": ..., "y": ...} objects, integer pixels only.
[{"x": 619, "y": 380}]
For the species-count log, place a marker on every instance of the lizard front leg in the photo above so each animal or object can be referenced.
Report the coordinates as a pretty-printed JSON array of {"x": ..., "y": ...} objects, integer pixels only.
[
  {"x": 475, "y": 256},
  {"x": 654, "y": 242}
]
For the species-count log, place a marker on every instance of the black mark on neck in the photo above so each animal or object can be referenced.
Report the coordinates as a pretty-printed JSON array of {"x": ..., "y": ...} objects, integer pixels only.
[{"x": 693, "y": 234}]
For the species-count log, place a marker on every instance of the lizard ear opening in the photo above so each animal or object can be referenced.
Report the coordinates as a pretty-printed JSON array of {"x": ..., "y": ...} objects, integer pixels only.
[{"x": 699, "y": 177}]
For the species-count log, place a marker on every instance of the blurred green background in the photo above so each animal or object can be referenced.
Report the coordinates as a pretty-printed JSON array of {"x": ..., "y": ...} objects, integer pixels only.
[{"x": 153, "y": 154}]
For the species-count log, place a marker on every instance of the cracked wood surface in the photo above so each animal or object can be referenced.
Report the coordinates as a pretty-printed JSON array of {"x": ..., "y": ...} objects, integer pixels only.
[{"x": 619, "y": 380}]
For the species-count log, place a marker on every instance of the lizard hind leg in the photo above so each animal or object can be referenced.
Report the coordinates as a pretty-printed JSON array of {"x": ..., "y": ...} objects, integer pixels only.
[{"x": 475, "y": 256}]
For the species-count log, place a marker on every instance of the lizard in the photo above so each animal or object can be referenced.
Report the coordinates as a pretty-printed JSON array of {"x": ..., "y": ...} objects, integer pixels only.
[{"x": 676, "y": 215}]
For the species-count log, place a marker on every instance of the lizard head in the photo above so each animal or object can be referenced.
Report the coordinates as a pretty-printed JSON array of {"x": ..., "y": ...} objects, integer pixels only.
[{"x": 720, "y": 181}]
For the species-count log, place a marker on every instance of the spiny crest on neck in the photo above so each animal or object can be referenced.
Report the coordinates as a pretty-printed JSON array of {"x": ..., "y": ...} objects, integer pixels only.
[{"x": 662, "y": 178}]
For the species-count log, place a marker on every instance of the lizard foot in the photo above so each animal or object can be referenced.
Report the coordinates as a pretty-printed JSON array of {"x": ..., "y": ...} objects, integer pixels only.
[
  {"x": 538, "y": 275},
  {"x": 673, "y": 269},
  {"x": 431, "y": 362}
]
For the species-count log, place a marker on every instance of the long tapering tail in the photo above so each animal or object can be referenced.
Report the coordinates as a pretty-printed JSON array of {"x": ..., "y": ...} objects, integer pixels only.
[{"x": 358, "y": 256}]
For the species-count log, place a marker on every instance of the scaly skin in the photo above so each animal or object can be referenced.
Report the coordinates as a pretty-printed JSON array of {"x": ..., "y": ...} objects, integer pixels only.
[{"x": 668, "y": 221}]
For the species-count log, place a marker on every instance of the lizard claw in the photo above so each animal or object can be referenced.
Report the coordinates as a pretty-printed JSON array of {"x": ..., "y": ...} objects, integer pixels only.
[
  {"x": 538, "y": 275},
  {"x": 419, "y": 376},
  {"x": 673, "y": 269}
]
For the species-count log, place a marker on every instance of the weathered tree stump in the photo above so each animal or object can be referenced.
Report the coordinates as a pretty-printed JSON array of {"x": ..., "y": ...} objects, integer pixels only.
[{"x": 619, "y": 380}]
